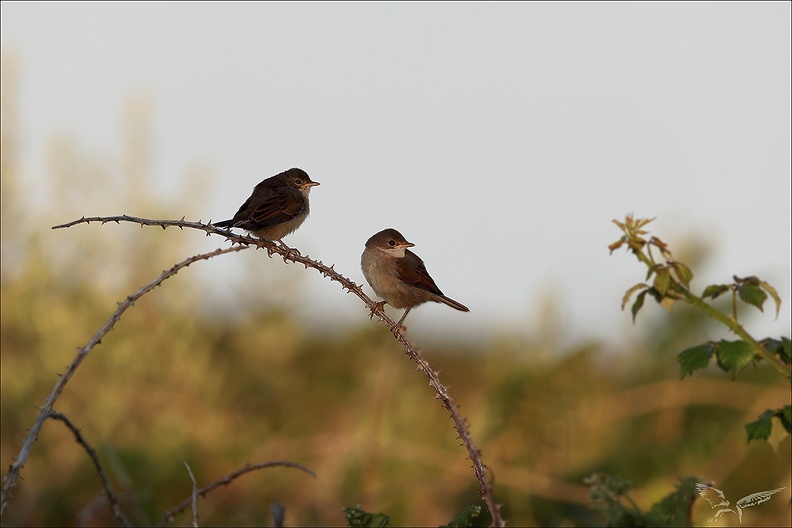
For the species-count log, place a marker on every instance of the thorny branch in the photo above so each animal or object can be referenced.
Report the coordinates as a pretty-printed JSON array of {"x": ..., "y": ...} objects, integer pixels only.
[
  {"x": 288, "y": 254},
  {"x": 224, "y": 481},
  {"x": 10, "y": 478},
  {"x": 111, "y": 496}
]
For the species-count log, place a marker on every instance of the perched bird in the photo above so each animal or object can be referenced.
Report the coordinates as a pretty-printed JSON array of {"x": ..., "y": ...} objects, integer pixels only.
[
  {"x": 398, "y": 275},
  {"x": 277, "y": 207},
  {"x": 717, "y": 499}
]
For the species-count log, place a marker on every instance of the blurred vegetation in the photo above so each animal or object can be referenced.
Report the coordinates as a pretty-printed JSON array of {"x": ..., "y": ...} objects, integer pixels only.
[{"x": 173, "y": 383}]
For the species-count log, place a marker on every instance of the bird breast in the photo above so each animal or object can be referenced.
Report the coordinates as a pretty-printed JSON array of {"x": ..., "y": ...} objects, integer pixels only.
[{"x": 381, "y": 273}]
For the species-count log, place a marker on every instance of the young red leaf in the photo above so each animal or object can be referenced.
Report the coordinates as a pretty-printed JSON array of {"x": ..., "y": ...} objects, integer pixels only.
[
  {"x": 616, "y": 245},
  {"x": 629, "y": 293}
]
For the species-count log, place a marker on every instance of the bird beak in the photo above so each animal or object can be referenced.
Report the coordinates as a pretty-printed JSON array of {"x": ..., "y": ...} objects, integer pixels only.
[
  {"x": 406, "y": 245},
  {"x": 310, "y": 184}
]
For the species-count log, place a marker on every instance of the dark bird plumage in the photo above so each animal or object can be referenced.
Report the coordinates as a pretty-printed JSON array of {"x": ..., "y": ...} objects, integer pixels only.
[{"x": 277, "y": 206}]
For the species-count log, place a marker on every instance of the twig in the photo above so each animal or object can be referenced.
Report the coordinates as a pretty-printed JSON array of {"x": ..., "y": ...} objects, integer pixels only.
[
  {"x": 193, "y": 496},
  {"x": 10, "y": 478},
  {"x": 111, "y": 496},
  {"x": 225, "y": 481},
  {"x": 460, "y": 424}
]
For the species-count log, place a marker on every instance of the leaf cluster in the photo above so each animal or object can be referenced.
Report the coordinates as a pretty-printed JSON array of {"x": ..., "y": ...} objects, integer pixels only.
[
  {"x": 672, "y": 278},
  {"x": 672, "y": 283},
  {"x": 608, "y": 496},
  {"x": 356, "y": 516},
  {"x": 761, "y": 428},
  {"x": 730, "y": 356}
]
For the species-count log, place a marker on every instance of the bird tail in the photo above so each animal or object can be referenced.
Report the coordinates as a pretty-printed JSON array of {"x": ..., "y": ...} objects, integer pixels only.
[
  {"x": 225, "y": 223},
  {"x": 452, "y": 303}
]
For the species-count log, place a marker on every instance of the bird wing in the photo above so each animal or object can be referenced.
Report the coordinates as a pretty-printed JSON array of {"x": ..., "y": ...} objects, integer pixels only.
[
  {"x": 412, "y": 271},
  {"x": 283, "y": 204},
  {"x": 757, "y": 498},
  {"x": 712, "y": 495}
]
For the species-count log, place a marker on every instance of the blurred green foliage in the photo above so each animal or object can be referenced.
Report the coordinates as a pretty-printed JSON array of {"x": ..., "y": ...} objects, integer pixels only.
[
  {"x": 175, "y": 383},
  {"x": 609, "y": 496}
]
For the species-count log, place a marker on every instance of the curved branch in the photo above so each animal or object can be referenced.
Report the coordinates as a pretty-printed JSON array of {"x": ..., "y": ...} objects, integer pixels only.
[
  {"x": 111, "y": 496},
  {"x": 460, "y": 423},
  {"x": 224, "y": 481},
  {"x": 10, "y": 478}
]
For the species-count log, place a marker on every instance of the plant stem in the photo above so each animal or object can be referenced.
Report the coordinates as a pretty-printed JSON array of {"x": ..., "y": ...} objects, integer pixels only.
[{"x": 735, "y": 327}]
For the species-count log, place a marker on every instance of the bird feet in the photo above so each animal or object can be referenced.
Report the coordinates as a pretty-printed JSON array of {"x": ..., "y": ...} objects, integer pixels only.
[
  {"x": 377, "y": 307},
  {"x": 289, "y": 251}
]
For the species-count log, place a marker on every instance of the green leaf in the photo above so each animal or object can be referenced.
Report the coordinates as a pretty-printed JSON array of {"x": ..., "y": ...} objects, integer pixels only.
[
  {"x": 761, "y": 428},
  {"x": 355, "y": 516},
  {"x": 774, "y": 294},
  {"x": 662, "y": 280},
  {"x": 714, "y": 291},
  {"x": 639, "y": 301},
  {"x": 465, "y": 517},
  {"x": 684, "y": 273},
  {"x": 787, "y": 348},
  {"x": 777, "y": 348},
  {"x": 753, "y": 295},
  {"x": 735, "y": 355},
  {"x": 605, "y": 496},
  {"x": 674, "y": 509},
  {"x": 784, "y": 414},
  {"x": 694, "y": 358}
]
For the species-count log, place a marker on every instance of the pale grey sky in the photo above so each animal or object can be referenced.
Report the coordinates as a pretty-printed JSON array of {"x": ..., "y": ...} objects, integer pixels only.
[{"x": 500, "y": 138}]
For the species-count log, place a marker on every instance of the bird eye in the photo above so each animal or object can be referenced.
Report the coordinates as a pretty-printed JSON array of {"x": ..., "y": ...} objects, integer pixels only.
[
  {"x": 298, "y": 181},
  {"x": 392, "y": 242}
]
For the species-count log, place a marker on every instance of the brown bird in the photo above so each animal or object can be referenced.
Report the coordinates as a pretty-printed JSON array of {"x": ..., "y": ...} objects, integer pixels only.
[
  {"x": 277, "y": 207},
  {"x": 398, "y": 275}
]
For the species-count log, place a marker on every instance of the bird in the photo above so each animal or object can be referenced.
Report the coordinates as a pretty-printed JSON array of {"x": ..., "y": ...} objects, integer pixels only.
[
  {"x": 717, "y": 499},
  {"x": 277, "y": 206},
  {"x": 398, "y": 275}
]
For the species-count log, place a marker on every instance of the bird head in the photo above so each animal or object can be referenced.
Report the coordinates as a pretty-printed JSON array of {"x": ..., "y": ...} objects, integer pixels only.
[{"x": 389, "y": 241}]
